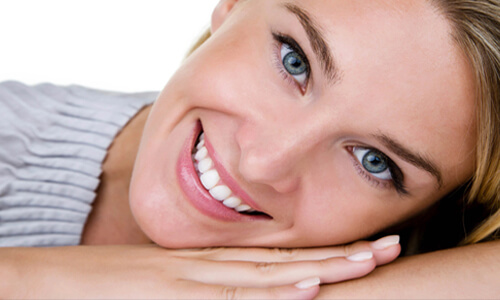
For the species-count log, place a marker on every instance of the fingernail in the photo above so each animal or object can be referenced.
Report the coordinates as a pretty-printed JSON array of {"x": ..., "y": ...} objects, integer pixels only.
[
  {"x": 308, "y": 283},
  {"x": 385, "y": 242},
  {"x": 361, "y": 256}
]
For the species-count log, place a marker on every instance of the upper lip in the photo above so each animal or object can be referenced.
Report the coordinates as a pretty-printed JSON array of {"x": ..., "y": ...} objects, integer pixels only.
[{"x": 228, "y": 180}]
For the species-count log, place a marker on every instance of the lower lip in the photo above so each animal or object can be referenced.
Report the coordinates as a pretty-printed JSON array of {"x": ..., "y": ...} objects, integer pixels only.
[{"x": 196, "y": 194}]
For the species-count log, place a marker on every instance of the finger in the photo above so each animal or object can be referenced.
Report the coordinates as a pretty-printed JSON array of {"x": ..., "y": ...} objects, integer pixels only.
[
  {"x": 271, "y": 255},
  {"x": 275, "y": 254},
  {"x": 269, "y": 274},
  {"x": 381, "y": 252},
  {"x": 306, "y": 289},
  {"x": 386, "y": 249}
]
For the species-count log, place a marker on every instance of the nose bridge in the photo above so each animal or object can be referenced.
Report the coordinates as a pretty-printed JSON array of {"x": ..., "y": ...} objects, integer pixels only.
[{"x": 272, "y": 150}]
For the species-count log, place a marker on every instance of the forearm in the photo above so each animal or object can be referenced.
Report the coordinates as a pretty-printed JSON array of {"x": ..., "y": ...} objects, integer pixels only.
[
  {"x": 152, "y": 272},
  {"x": 81, "y": 272},
  {"x": 13, "y": 283},
  {"x": 465, "y": 272},
  {"x": 29, "y": 273}
]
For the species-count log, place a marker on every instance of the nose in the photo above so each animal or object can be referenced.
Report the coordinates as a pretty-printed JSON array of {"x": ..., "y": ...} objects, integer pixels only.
[{"x": 273, "y": 156}]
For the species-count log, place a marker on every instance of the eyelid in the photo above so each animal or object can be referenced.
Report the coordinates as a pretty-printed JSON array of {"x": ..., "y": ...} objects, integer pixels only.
[
  {"x": 285, "y": 39},
  {"x": 397, "y": 175}
]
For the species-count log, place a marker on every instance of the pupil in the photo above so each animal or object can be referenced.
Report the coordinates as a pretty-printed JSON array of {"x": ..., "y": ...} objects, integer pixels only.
[
  {"x": 294, "y": 64},
  {"x": 374, "y": 162}
]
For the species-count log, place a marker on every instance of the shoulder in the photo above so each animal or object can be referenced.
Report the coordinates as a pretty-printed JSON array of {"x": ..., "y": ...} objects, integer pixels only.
[{"x": 54, "y": 142}]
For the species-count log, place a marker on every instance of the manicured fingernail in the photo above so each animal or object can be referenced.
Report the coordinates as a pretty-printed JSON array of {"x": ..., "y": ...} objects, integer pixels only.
[
  {"x": 386, "y": 242},
  {"x": 361, "y": 256},
  {"x": 308, "y": 283}
]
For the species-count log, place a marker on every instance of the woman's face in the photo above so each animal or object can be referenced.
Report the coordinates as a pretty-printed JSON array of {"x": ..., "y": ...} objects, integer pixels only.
[{"x": 331, "y": 119}]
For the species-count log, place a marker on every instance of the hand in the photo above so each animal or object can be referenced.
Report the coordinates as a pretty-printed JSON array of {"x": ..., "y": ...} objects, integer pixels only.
[
  {"x": 466, "y": 272},
  {"x": 222, "y": 273}
]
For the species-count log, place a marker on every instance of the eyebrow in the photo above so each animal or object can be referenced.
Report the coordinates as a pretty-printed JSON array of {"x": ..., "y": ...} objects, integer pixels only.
[
  {"x": 413, "y": 158},
  {"x": 317, "y": 41},
  {"x": 324, "y": 54}
]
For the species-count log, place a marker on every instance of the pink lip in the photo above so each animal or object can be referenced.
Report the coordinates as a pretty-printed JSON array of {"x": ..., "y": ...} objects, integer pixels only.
[{"x": 198, "y": 196}]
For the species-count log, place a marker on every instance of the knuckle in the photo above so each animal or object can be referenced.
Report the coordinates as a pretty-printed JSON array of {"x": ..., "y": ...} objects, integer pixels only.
[
  {"x": 286, "y": 253},
  {"x": 346, "y": 249},
  {"x": 274, "y": 293},
  {"x": 324, "y": 264},
  {"x": 229, "y": 293},
  {"x": 356, "y": 247},
  {"x": 265, "y": 268},
  {"x": 210, "y": 251}
]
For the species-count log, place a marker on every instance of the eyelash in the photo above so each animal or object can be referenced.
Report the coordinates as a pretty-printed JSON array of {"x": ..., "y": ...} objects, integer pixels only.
[
  {"x": 397, "y": 175},
  {"x": 285, "y": 39}
]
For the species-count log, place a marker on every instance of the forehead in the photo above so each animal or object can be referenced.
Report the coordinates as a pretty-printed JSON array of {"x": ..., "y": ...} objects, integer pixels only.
[
  {"x": 408, "y": 43},
  {"x": 401, "y": 71}
]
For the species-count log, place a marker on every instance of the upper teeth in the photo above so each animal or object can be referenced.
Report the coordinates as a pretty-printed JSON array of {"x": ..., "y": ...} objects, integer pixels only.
[{"x": 210, "y": 179}]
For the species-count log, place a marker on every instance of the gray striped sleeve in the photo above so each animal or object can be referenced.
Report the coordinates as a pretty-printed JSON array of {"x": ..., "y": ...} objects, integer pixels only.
[{"x": 53, "y": 141}]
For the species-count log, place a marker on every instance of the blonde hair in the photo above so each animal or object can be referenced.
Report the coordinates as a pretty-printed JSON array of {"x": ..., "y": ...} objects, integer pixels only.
[
  {"x": 476, "y": 30},
  {"x": 202, "y": 39}
]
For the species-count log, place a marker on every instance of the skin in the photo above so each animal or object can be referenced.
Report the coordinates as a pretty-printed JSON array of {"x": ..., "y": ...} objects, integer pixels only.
[
  {"x": 111, "y": 222},
  {"x": 152, "y": 272},
  {"x": 427, "y": 60},
  {"x": 290, "y": 150},
  {"x": 469, "y": 272}
]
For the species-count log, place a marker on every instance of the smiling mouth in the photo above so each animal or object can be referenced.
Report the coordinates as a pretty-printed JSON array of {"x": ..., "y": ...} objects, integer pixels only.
[{"x": 211, "y": 181}]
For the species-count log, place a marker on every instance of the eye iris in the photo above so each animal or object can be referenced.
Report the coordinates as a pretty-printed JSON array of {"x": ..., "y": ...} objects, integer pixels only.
[
  {"x": 294, "y": 64},
  {"x": 374, "y": 162}
]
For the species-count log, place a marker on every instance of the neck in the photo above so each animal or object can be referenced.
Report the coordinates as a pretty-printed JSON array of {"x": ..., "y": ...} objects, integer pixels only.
[{"x": 111, "y": 221}]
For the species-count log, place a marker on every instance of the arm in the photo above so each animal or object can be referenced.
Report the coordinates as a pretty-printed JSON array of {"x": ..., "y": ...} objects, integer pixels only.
[
  {"x": 465, "y": 272},
  {"x": 148, "y": 271}
]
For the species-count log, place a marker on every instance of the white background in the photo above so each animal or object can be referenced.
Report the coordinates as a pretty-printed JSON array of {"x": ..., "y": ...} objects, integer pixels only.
[{"x": 122, "y": 45}]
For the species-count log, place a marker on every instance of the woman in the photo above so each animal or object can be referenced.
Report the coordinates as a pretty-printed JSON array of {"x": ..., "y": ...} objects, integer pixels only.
[{"x": 298, "y": 124}]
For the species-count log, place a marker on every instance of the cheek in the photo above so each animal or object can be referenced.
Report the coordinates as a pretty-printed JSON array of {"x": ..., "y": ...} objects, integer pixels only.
[
  {"x": 154, "y": 191},
  {"x": 337, "y": 206},
  {"x": 342, "y": 223},
  {"x": 225, "y": 70},
  {"x": 157, "y": 214},
  {"x": 145, "y": 208},
  {"x": 340, "y": 207},
  {"x": 150, "y": 197}
]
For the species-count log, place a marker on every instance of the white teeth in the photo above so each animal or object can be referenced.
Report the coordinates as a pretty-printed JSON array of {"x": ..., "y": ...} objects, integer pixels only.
[
  {"x": 205, "y": 165},
  {"x": 232, "y": 202},
  {"x": 201, "y": 154},
  {"x": 200, "y": 144},
  {"x": 242, "y": 208},
  {"x": 209, "y": 179},
  {"x": 220, "y": 192}
]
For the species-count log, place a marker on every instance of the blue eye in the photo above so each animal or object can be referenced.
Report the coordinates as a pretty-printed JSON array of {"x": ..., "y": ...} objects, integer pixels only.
[
  {"x": 294, "y": 64},
  {"x": 373, "y": 162}
]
